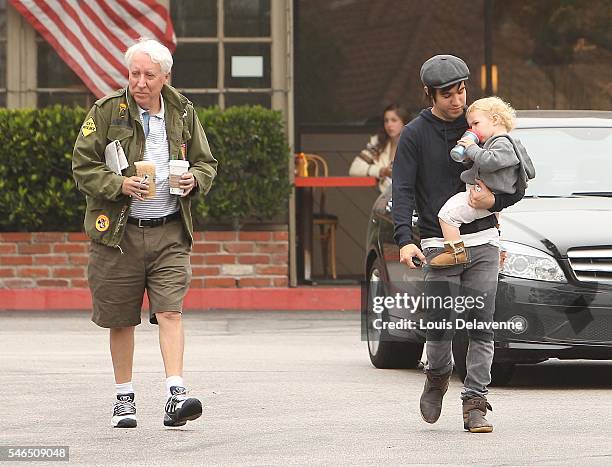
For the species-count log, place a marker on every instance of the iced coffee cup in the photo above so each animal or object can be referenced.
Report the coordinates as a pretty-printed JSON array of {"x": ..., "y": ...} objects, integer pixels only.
[
  {"x": 177, "y": 168},
  {"x": 147, "y": 168}
]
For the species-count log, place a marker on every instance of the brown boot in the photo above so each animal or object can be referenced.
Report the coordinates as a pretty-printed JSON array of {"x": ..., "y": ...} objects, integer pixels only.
[
  {"x": 433, "y": 392},
  {"x": 474, "y": 411},
  {"x": 454, "y": 253}
]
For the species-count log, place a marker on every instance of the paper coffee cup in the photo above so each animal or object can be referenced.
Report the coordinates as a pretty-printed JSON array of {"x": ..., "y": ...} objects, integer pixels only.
[
  {"x": 177, "y": 168},
  {"x": 147, "y": 168}
]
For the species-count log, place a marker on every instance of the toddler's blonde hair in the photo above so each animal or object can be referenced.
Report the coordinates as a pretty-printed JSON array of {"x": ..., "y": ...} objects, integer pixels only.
[{"x": 495, "y": 106}]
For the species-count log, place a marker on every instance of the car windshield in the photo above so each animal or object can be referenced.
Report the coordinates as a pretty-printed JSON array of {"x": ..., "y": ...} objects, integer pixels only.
[{"x": 568, "y": 160}]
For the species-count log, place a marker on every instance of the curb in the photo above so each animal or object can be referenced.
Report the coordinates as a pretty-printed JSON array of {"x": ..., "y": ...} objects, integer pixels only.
[{"x": 277, "y": 298}]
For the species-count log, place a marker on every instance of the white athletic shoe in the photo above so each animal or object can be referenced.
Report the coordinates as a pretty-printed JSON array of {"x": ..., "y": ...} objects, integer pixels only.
[
  {"x": 124, "y": 411},
  {"x": 180, "y": 408}
]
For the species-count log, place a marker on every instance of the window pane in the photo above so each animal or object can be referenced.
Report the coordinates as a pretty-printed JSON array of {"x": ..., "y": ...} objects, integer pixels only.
[
  {"x": 52, "y": 71},
  {"x": 202, "y": 100},
  {"x": 247, "y": 18},
  {"x": 194, "y": 18},
  {"x": 355, "y": 57},
  {"x": 247, "y": 50},
  {"x": 262, "y": 99},
  {"x": 2, "y": 99},
  {"x": 565, "y": 57},
  {"x": 66, "y": 98},
  {"x": 195, "y": 66}
]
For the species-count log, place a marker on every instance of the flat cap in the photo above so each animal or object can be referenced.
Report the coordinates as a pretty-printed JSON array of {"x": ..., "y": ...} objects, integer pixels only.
[{"x": 441, "y": 71}]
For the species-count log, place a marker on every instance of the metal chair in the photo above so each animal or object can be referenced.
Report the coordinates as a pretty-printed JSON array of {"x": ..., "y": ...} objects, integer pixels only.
[{"x": 328, "y": 223}]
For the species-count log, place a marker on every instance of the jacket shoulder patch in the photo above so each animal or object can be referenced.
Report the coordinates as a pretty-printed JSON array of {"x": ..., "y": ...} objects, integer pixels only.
[{"x": 88, "y": 127}]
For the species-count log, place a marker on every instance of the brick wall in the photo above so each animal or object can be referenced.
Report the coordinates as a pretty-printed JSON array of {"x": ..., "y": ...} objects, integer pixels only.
[{"x": 219, "y": 259}]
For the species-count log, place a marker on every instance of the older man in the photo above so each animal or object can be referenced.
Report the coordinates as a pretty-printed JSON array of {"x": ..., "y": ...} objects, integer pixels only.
[{"x": 139, "y": 242}]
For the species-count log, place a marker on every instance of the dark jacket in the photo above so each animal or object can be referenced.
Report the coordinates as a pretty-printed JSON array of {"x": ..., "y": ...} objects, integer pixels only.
[{"x": 425, "y": 177}]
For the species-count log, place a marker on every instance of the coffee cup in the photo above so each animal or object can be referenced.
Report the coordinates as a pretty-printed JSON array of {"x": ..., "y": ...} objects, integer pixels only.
[
  {"x": 147, "y": 168},
  {"x": 177, "y": 168}
]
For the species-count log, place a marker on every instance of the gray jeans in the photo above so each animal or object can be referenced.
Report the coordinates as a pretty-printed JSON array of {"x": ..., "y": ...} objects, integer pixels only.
[{"x": 476, "y": 279}]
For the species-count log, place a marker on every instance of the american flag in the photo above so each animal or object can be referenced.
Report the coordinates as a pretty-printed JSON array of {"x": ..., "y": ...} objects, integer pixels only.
[{"x": 92, "y": 36}]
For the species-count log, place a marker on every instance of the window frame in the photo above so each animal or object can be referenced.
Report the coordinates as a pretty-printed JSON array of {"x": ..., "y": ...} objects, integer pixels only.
[
  {"x": 3, "y": 45},
  {"x": 220, "y": 39},
  {"x": 79, "y": 88}
]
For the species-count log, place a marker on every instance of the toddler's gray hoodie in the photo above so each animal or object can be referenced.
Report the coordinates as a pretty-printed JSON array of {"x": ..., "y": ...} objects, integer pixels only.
[{"x": 502, "y": 164}]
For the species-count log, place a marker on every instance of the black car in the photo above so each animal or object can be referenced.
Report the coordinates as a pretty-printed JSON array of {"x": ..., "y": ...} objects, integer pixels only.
[{"x": 556, "y": 284}]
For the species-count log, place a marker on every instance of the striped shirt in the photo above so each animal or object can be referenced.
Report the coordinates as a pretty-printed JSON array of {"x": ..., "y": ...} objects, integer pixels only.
[{"x": 156, "y": 151}]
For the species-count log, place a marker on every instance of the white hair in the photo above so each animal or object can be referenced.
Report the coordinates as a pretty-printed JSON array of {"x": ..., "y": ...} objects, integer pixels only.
[{"x": 159, "y": 53}]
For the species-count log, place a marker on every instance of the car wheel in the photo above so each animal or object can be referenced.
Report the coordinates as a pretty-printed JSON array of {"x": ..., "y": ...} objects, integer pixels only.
[
  {"x": 385, "y": 353},
  {"x": 501, "y": 372}
]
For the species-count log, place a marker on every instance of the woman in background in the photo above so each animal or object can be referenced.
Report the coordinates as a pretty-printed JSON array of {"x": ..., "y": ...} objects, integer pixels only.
[{"x": 376, "y": 159}]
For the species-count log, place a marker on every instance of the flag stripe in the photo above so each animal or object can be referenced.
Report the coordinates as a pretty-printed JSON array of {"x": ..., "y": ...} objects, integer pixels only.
[
  {"x": 143, "y": 27},
  {"x": 65, "y": 28},
  {"x": 155, "y": 23},
  {"x": 92, "y": 37},
  {"x": 110, "y": 30},
  {"x": 148, "y": 28},
  {"x": 70, "y": 55},
  {"x": 117, "y": 22},
  {"x": 89, "y": 29},
  {"x": 100, "y": 54}
]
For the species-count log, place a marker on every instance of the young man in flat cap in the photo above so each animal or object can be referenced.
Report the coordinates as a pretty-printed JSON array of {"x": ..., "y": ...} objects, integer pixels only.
[{"x": 424, "y": 177}]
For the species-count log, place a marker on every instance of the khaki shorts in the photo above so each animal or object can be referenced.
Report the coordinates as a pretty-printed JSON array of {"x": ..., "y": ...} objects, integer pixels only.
[{"x": 155, "y": 259}]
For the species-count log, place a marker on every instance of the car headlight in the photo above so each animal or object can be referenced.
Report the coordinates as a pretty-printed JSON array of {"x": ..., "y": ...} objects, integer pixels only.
[{"x": 529, "y": 263}]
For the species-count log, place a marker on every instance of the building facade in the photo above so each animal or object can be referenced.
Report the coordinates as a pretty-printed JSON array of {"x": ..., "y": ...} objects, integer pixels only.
[{"x": 331, "y": 66}]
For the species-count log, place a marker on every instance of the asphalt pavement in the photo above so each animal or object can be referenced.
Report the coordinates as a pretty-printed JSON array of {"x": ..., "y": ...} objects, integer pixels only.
[{"x": 283, "y": 388}]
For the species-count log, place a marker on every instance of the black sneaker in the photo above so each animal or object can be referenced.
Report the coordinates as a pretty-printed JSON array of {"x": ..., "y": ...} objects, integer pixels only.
[
  {"x": 124, "y": 411},
  {"x": 180, "y": 408}
]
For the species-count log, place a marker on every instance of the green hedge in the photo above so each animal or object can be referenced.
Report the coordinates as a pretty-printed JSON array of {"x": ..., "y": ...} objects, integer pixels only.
[
  {"x": 37, "y": 192},
  {"x": 253, "y": 155}
]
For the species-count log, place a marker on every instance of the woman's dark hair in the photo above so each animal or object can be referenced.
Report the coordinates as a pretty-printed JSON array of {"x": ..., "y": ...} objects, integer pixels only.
[{"x": 383, "y": 137}]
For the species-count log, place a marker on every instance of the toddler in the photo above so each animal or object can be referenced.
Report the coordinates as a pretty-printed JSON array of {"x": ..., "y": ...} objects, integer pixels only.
[{"x": 502, "y": 164}]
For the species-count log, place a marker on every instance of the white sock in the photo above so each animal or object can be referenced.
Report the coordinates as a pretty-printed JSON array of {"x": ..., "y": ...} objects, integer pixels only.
[
  {"x": 124, "y": 388},
  {"x": 173, "y": 381}
]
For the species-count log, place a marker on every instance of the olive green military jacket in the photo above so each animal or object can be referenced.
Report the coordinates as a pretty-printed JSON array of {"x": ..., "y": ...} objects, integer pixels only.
[{"x": 116, "y": 117}]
